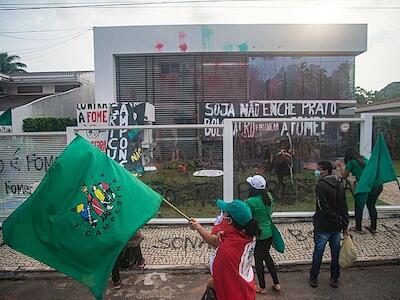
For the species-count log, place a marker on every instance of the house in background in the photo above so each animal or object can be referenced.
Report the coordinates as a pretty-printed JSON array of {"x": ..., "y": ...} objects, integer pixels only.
[
  {"x": 389, "y": 126},
  {"x": 44, "y": 94},
  {"x": 190, "y": 72},
  {"x": 389, "y": 105}
]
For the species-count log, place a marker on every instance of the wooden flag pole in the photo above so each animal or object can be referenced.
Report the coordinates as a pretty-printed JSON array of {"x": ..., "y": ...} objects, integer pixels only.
[{"x": 176, "y": 209}]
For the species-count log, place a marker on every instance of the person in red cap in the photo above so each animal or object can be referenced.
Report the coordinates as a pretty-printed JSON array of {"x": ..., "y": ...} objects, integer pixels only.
[{"x": 233, "y": 236}]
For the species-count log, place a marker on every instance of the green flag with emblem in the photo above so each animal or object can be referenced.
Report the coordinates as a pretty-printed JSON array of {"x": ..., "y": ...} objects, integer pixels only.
[{"x": 81, "y": 215}]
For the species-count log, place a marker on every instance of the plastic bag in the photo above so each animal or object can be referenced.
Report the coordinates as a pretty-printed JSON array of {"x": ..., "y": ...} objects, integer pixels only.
[{"x": 348, "y": 252}]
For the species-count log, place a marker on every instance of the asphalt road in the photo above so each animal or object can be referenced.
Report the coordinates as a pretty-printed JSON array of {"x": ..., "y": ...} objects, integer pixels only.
[{"x": 357, "y": 283}]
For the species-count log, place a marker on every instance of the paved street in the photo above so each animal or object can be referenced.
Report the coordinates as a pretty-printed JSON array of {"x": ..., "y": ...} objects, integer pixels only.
[
  {"x": 390, "y": 193},
  {"x": 356, "y": 283},
  {"x": 165, "y": 246}
]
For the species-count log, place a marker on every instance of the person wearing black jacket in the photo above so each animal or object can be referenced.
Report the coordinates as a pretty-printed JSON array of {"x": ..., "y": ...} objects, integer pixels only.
[{"x": 330, "y": 218}]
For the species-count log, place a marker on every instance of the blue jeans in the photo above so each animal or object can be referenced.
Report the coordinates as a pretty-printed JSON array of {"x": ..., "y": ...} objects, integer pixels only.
[{"x": 320, "y": 240}]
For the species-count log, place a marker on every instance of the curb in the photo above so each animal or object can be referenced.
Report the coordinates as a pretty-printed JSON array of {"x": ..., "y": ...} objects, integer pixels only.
[{"x": 190, "y": 269}]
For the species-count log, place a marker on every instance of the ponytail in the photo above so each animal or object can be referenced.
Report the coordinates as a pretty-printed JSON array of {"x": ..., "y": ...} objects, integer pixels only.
[
  {"x": 264, "y": 195},
  {"x": 352, "y": 153},
  {"x": 251, "y": 228},
  {"x": 361, "y": 162}
]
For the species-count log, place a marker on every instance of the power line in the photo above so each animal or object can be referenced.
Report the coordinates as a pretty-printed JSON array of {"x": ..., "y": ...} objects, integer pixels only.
[
  {"x": 79, "y": 2},
  {"x": 44, "y": 30},
  {"x": 149, "y": 2},
  {"x": 163, "y": 3},
  {"x": 50, "y": 47},
  {"x": 37, "y": 39},
  {"x": 119, "y": 4}
]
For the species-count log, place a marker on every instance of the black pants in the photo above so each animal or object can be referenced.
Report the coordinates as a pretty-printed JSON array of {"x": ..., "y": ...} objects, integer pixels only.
[
  {"x": 371, "y": 205},
  {"x": 261, "y": 254},
  {"x": 115, "y": 271},
  {"x": 137, "y": 253}
]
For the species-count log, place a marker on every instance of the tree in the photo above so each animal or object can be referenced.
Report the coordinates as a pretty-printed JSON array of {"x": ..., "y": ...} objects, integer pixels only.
[
  {"x": 363, "y": 96},
  {"x": 9, "y": 63}
]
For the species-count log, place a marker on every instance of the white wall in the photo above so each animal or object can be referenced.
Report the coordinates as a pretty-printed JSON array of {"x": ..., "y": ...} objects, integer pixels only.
[
  {"x": 57, "y": 106},
  {"x": 271, "y": 38},
  {"x": 49, "y": 88}
]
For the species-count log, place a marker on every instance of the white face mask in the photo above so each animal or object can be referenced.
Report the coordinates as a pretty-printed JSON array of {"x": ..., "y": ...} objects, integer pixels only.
[{"x": 317, "y": 173}]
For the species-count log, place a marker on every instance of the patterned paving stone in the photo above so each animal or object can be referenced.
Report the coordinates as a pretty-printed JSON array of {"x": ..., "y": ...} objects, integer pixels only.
[
  {"x": 180, "y": 246},
  {"x": 390, "y": 193}
]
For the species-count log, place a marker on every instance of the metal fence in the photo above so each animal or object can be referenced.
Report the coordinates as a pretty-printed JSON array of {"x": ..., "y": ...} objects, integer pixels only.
[{"x": 25, "y": 159}]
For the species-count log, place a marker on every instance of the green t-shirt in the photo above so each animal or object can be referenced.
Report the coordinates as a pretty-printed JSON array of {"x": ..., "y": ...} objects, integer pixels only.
[
  {"x": 354, "y": 167},
  {"x": 262, "y": 214}
]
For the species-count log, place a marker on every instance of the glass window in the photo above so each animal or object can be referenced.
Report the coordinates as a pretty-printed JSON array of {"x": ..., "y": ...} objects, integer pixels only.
[
  {"x": 311, "y": 68},
  {"x": 32, "y": 89},
  {"x": 225, "y": 78},
  {"x": 275, "y": 78},
  {"x": 257, "y": 78},
  {"x": 294, "y": 78},
  {"x": 329, "y": 77},
  {"x": 266, "y": 78},
  {"x": 346, "y": 77}
]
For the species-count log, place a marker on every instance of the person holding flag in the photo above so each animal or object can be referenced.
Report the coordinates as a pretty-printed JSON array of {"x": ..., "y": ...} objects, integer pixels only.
[
  {"x": 355, "y": 164},
  {"x": 45, "y": 227},
  {"x": 370, "y": 176},
  {"x": 233, "y": 236}
]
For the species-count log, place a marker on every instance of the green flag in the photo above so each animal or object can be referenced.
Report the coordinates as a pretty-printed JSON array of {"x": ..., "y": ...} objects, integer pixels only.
[
  {"x": 379, "y": 168},
  {"x": 5, "y": 118},
  {"x": 81, "y": 215},
  {"x": 6, "y": 121}
]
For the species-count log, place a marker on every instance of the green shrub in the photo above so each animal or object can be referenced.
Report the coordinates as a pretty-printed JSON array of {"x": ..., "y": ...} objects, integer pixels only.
[{"x": 47, "y": 124}]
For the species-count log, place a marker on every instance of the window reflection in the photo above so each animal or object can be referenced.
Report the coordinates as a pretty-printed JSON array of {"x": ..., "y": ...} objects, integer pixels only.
[{"x": 295, "y": 77}]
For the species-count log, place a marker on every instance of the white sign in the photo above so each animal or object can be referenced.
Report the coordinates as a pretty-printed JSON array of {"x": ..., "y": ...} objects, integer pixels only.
[
  {"x": 208, "y": 173},
  {"x": 344, "y": 127},
  {"x": 91, "y": 115},
  {"x": 215, "y": 113}
]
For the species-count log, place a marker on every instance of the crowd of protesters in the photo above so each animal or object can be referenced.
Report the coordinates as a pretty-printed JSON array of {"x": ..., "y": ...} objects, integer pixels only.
[{"x": 245, "y": 229}]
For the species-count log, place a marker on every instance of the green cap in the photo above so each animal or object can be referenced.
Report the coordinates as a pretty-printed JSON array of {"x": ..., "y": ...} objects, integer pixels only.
[{"x": 237, "y": 209}]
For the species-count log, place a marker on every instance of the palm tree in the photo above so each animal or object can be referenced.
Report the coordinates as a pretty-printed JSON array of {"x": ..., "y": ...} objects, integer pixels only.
[{"x": 8, "y": 64}]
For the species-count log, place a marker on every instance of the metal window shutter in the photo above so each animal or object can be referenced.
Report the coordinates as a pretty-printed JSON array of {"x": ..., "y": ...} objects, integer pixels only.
[
  {"x": 173, "y": 96},
  {"x": 225, "y": 77},
  {"x": 130, "y": 78}
]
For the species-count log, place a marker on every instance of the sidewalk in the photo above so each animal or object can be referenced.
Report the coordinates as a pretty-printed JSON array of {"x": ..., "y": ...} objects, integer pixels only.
[
  {"x": 355, "y": 284},
  {"x": 178, "y": 247}
]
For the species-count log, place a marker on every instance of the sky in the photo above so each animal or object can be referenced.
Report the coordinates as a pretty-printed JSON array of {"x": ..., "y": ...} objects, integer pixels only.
[{"x": 72, "y": 48}]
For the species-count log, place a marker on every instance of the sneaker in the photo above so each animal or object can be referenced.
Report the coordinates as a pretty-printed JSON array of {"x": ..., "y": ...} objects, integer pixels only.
[
  {"x": 333, "y": 283},
  {"x": 117, "y": 285},
  {"x": 260, "y": 290},
  {"x": 276, "y": 287},
  {"x": 359, "y": 231},
  {"x": 370, "y": 229},
  {"x": 313, "y": 282}
]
